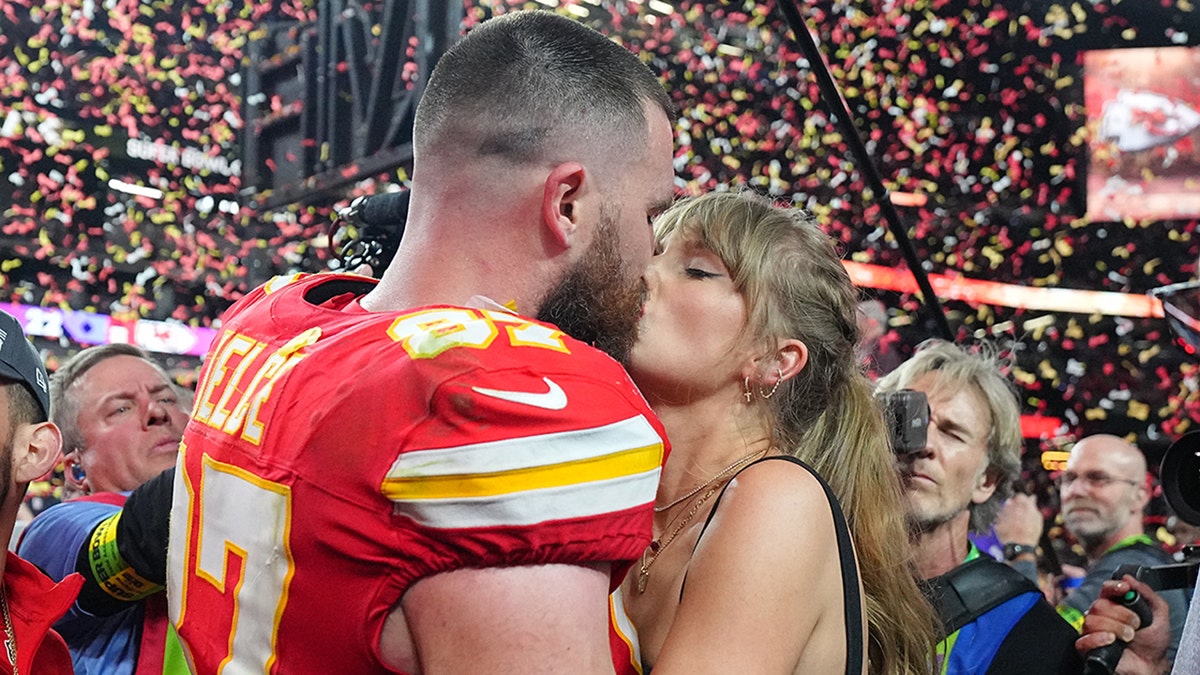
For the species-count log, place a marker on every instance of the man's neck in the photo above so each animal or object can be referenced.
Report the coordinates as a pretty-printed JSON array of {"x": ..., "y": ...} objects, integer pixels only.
[
  {"x": 1096, "y": 550},
  {"x": 421, "y": 281},
  {"x": 466, "y": 238},
  {"x": 942, "y": 548}
]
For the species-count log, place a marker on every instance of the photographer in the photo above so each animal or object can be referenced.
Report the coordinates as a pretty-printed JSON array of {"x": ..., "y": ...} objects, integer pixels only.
[
  {"x": 1110, "y": 618},
  {"x": 1104, "y": 492},
  {"x": 995, "y": 620}
]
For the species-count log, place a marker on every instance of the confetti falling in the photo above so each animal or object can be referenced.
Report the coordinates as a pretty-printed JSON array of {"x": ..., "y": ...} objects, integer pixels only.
[{"x": 977, "y": 105}]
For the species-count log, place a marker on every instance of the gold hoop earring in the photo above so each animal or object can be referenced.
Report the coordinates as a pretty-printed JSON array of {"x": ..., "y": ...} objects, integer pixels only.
[
  {"x": 746, "y": 385},
  {"x": 771, "y": 393}
]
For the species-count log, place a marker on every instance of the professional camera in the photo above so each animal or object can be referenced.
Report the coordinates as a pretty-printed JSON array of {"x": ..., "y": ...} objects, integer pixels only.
[
  {"x": 368, "y": 231},
  {"x": 1180, "y": 474},
  {"x": 907, "y": 415},
  {"x": 1180, "y": 470}
]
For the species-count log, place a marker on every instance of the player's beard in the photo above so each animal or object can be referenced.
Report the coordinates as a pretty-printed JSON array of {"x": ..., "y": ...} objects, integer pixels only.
[
  {"x": 6, "y": 453},
  {"x": 598, "y": 301}
]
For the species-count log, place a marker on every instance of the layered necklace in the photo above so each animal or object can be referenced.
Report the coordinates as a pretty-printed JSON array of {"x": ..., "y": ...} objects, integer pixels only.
[
  {"x": 10, "y": 644},
  {"x": 713, "y": 484}
]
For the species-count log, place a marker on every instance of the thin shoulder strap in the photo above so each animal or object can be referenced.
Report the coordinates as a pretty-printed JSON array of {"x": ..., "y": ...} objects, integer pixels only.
[{"x": 850, "y": 595}]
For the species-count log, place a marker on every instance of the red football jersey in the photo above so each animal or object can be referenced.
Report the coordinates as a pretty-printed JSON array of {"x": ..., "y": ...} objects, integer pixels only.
[{"x": 335, "y": 456}]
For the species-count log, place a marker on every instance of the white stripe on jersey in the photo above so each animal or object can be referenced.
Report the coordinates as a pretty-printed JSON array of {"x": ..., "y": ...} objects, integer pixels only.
[
  {"x": 624, "y": 628},
  {"x": 528, "y": 507},
  {"x": 528, "y": 452}
]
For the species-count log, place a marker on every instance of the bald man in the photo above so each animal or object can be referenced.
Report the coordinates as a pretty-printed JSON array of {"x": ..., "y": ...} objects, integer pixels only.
[{"x": 1104, "y": 491}]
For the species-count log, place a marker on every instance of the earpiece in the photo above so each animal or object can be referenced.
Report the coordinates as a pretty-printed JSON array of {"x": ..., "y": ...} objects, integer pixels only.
[{"x": 77, "y": 472}]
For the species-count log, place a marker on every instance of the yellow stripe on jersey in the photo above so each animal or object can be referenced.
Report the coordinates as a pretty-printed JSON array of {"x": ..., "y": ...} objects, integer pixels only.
[
  {"x": 528, "y": 507},
  {"x": 527, "y": 451},
  {"x": 635, "y": 461},
  {"x": 521, "y": 481}
]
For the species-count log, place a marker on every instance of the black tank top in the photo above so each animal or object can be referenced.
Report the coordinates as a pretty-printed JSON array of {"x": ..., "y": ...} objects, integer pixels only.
[{"x": 850, "y": 595}]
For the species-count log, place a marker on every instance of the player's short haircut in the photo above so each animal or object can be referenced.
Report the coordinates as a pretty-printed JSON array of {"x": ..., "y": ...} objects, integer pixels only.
[
  {"x": 522, "y": 85},
  {"x": 23, "y": 408}
]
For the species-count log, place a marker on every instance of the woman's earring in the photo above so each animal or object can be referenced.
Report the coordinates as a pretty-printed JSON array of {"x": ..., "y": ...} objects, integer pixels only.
[{"x": 771, "y": 393}]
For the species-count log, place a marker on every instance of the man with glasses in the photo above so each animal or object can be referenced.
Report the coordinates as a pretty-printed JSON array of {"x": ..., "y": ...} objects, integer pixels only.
[{"x": 1104, "y": 491}]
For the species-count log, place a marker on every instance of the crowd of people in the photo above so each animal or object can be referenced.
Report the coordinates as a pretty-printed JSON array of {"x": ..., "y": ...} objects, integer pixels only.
[
  {"x": 121, "y": 418},
  {"x": 972, "y": 104},
  {"x": 577, "y": 425}
]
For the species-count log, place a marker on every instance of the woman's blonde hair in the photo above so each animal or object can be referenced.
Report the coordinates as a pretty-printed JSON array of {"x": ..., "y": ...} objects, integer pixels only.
[{"x": 795, "y": 286}]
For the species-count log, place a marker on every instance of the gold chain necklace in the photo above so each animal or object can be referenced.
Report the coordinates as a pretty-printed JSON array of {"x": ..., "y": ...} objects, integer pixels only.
[
  {"x": 10, "y": 644},
  {"x": 656, "y": 548},
  {"x": 696, "y": 490}
]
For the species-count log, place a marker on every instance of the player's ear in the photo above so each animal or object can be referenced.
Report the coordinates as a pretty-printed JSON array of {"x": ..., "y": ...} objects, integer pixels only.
[
  {"x": 36, "y": 449},
  {"x": 560, "y": 197}
]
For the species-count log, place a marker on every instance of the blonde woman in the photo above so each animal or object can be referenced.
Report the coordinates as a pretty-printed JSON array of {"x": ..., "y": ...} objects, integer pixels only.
[{"x": 746, "y": 352}]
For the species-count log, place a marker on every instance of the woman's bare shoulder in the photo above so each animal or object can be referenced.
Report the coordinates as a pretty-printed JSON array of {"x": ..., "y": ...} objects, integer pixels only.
[{"x": 775, "y": 498}]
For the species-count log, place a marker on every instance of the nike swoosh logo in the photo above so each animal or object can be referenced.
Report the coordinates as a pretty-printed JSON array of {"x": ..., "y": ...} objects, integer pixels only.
[{"x": 554, "y": 399}]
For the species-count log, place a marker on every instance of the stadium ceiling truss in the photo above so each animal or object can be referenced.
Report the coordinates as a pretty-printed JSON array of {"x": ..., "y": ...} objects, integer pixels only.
[{"x": 367, "y": 63}]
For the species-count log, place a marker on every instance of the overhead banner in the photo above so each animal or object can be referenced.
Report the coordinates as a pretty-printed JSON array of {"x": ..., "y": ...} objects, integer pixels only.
[{"x": 90, "y": 328}]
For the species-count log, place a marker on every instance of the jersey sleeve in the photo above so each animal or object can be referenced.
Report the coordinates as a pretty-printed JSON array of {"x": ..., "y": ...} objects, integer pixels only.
[{"x": 522, "y": 467}]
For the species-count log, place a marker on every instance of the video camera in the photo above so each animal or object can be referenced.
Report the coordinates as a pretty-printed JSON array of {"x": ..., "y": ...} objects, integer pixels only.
[{"x": 907, "y": 414}]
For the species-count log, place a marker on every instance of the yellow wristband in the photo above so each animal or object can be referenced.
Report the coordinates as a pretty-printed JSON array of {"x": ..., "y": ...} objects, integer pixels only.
[
  {"x": 110, "y": 571},
  {"x": 1072, "y": 616}
]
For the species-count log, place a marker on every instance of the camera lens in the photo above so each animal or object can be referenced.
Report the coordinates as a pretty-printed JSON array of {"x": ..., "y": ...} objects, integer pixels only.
[{"x": 1181, "y": 477}]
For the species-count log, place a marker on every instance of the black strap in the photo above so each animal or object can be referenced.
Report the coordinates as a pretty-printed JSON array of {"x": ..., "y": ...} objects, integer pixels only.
[
  {"x": 973, "y": 589},
  {"x": 850, "y": 595}
]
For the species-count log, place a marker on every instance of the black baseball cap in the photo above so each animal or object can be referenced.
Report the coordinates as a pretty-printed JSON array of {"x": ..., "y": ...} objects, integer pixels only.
[{"x": 20, "y": 361}]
